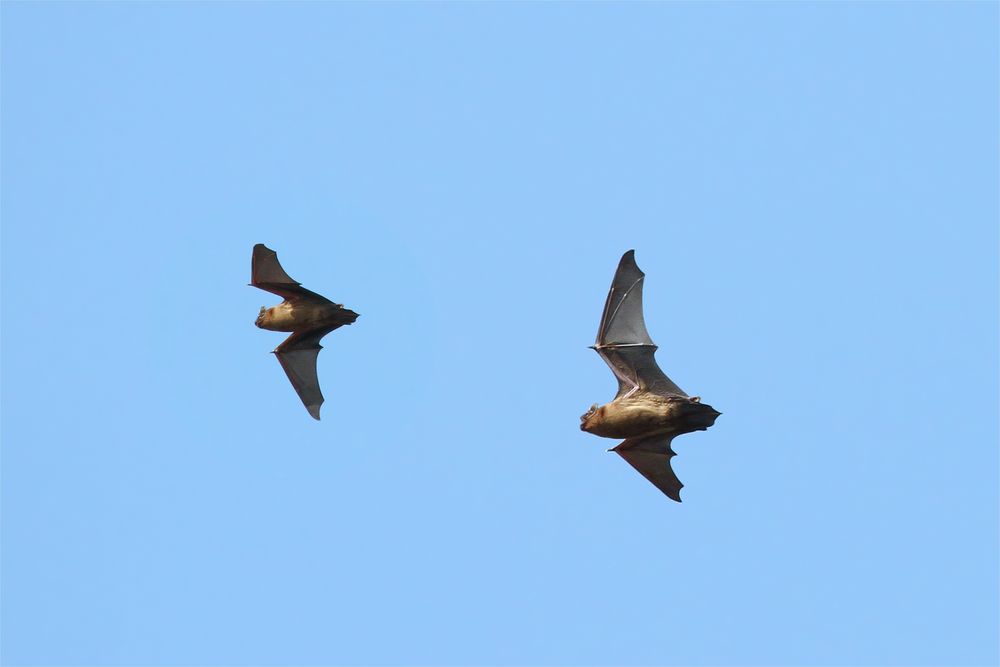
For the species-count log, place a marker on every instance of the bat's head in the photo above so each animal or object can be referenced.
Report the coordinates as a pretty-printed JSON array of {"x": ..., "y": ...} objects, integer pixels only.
[
  {"x": 260, "y": 317},
  {"x": 590, "y": 418}
]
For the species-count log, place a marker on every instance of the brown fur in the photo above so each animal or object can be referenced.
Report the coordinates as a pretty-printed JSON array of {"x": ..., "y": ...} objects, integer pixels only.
[
  {"x": 301, "y": 314},
  {"x": 645, "y": 413}
]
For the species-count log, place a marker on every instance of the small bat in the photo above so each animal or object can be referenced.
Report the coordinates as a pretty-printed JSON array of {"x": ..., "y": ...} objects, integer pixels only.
[
  {"x": 649, "y": 410},
  {"x": 306, "y": 314}
]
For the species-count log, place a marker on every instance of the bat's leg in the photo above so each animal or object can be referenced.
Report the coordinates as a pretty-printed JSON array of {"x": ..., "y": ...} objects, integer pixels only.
[
  {"x": 625, "y": 378},
  {"x": 635, "y": 384}
]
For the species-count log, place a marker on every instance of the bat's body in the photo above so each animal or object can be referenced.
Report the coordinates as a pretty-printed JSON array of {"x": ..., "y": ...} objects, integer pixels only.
[
  {"x": 649, "y": 410},
  {"x": 293, "y": 316},
  {"x": 306, "y": 314},
  {"x": 644, "y": 414}
]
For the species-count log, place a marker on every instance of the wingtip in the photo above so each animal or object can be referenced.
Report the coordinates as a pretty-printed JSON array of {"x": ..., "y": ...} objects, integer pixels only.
[
  {"x": 628, "y": 260},
  {"x": 677, "y": 497},
  {"x": 313, "y": 411}
]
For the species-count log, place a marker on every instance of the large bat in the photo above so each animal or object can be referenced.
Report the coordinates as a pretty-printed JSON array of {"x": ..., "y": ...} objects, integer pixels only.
[
  {"x": 306, "y": 314},
  {"x": 649, "y": 410}
]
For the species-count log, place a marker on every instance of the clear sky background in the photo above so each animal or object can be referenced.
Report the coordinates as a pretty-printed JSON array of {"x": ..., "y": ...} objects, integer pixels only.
[{"x": 811, "y": 190}]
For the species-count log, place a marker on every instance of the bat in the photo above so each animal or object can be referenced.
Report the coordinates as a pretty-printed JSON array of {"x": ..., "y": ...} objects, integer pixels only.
[
  {"x": 649, "y": 410},
  {"x": 306, "y": 314}
]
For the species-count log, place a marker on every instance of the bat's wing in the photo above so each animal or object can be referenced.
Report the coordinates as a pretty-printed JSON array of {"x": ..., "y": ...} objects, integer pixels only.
[
  {"x": 651, "y": 457},
  {"x": 267, "y": 274},
  {"x": 622, "y": 339},
  {"x": 297, "y": 356}
]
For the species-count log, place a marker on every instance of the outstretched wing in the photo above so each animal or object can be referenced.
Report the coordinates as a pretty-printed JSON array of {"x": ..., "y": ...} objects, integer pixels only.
[
  {"x": 651, "y": 457},
  {"x": 297, "y": 356},
  {"x": 267, "y": 274},
  {"x": 622, "y": 339}
]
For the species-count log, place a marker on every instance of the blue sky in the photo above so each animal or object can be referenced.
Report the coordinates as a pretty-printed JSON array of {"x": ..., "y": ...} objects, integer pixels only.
[{"x": 811, "y": 190}]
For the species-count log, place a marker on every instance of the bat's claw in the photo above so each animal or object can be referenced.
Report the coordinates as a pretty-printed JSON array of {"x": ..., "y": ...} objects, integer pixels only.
[{"x": 696, "y": 399}]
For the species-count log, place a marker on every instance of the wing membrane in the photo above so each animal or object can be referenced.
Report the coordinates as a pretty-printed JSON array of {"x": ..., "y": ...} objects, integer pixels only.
[
  {"x": 651, "y": 457},
  {"x": 298, "y": 356},
  {"x": 636, "y": 367},
  {"x": 622, "y": 339},
  {"x": 265, "y": 267},
  {"x": 622, "y": 321},
  {"x": 267, "y": 274}
]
